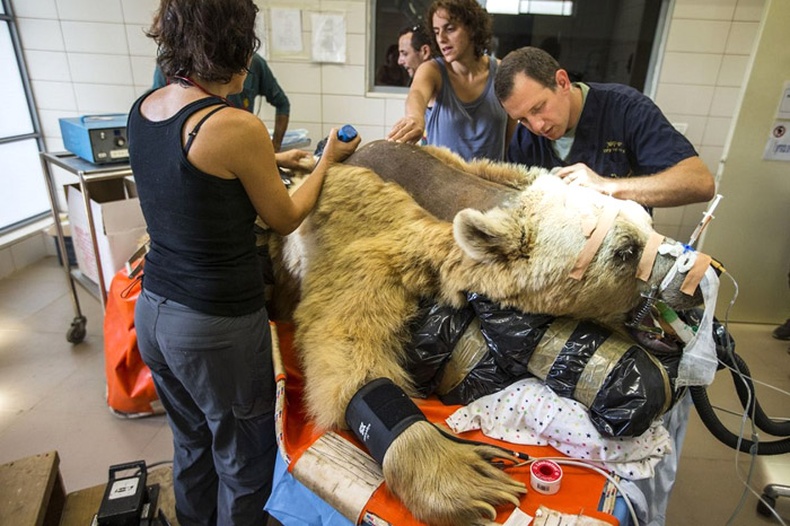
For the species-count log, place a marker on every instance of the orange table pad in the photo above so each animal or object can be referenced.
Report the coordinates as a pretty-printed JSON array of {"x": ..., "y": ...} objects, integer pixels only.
[{"x": 580, "y": 492}]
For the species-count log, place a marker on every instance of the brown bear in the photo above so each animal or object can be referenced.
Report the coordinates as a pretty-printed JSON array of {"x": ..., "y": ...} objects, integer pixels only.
[{"x": 397, "y": 223}]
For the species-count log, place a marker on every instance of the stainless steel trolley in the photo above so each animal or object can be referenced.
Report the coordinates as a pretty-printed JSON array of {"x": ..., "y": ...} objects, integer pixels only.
[{"x": 86, "y": 172}]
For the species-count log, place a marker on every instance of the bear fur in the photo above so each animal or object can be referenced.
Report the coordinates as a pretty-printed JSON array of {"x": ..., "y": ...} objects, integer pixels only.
[{"x": 371, "y": 249}]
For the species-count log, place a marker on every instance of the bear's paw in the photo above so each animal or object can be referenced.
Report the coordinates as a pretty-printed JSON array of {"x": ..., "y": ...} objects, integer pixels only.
[{"x": 448, "y": 483}]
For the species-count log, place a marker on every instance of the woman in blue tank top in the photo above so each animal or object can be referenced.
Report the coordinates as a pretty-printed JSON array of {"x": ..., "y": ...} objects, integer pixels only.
[
  {"x": 451, "y": 101},
  {"x": 205, "y": 171}
]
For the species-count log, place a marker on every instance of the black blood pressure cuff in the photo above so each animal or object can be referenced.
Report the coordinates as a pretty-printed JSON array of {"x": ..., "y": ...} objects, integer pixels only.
[{"x": 378, "y": 413}]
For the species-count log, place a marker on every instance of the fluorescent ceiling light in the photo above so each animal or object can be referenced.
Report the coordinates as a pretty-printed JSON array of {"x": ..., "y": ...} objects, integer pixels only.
[{"x": 503, "y": 7}]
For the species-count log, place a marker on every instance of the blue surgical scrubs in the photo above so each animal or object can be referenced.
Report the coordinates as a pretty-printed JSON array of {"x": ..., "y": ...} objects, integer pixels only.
[{"x": 621, "y": 133}]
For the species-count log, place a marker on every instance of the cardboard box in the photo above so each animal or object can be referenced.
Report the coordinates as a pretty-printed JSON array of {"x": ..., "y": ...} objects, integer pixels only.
[{"x": 118, "y": 223}]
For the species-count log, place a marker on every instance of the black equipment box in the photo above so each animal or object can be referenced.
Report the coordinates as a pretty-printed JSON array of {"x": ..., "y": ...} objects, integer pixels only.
[{"x": 125, "y": 495}]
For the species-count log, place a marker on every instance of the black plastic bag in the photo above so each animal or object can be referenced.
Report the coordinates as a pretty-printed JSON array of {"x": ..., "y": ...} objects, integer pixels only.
[{"x": 624, "y": 387}]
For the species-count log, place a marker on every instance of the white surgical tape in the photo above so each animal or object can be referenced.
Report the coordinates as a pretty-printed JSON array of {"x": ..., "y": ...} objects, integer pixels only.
[
  {"x": 683, "y": 263},
  {"x": 699, "y": 363},
  {"x": 671, "y": 249}
]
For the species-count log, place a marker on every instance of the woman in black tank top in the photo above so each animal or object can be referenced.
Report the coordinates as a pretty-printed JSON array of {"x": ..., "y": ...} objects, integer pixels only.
[{"x": 205, "y": 171}]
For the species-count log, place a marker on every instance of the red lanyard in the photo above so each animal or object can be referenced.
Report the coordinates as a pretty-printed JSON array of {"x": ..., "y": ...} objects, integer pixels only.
[{"x": 204, "y": 90}]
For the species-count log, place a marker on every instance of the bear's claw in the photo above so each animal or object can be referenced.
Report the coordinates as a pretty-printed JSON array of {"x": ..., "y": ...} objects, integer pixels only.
[{"x": 447, "y": 483}]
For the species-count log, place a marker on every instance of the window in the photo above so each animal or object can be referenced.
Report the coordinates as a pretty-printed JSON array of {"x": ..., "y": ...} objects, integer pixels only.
[
  {"x": 596, "y": 41},
  {"x": 24, "y": 196}
]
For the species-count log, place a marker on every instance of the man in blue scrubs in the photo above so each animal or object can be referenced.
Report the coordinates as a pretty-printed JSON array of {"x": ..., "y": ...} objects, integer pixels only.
[
  {"x": 609, "y": 137},
  {"x": 613, "y": 139}
]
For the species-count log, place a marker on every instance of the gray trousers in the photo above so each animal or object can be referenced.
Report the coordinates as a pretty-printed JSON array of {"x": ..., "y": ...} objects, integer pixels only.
[{"x": 214, "y": 376}]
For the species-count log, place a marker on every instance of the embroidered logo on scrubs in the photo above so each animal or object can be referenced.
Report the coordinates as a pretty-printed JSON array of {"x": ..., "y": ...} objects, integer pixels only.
[{"x": 614, "y": 147}]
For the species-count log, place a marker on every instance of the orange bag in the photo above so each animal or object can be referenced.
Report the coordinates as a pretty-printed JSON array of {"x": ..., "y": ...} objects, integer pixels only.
[{"x": 130, "y": 388}]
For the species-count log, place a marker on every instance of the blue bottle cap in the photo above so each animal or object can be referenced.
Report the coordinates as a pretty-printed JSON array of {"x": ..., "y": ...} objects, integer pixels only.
[{"x": 347, "y": 133}]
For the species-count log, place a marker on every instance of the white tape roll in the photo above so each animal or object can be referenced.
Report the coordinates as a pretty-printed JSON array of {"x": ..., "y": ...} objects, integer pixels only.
[{"x": 545, "y": 476}]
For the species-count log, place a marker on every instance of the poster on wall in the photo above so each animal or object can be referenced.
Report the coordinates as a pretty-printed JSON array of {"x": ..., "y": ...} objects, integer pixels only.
[
  {"x": 329, "y": 38},
  {"x": 260, "y": 32},
  {"x": 286, "y": 31}
]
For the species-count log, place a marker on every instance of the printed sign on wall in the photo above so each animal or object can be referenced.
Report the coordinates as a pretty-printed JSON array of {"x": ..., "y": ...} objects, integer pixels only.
[{"x": 778, "y": 147}]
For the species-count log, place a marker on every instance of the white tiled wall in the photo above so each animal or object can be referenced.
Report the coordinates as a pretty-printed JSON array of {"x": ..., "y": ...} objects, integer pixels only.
[
  {"x": 90, "y": 56},
  {"x": 707, "y": 51}
]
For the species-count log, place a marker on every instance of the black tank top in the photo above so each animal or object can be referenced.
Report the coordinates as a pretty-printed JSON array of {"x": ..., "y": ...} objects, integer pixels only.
[{"x": 202, "y": 251}]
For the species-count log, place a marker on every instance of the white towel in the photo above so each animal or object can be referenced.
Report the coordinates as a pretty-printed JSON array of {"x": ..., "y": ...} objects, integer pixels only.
[{"x": 528, "y": 412}]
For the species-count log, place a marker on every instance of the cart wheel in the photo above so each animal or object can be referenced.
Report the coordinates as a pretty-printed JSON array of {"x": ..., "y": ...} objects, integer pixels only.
[
  {"x": 764, "y": 508},
  {"x": 76, "y": 332}
]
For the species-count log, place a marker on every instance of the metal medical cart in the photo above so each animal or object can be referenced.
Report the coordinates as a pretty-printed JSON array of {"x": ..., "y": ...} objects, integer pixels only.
[{"x": 86, "y": 172}]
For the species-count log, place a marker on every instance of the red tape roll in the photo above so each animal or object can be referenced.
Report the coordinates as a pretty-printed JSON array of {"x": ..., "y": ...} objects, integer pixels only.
[{"x": 545, "y": 476}]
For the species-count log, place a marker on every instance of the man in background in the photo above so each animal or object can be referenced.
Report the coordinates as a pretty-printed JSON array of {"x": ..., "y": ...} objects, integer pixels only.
[
  {"x": 390, "y": 73},
  {"x": 260, "y": 81},
  {"x": 414, "y": 48}
]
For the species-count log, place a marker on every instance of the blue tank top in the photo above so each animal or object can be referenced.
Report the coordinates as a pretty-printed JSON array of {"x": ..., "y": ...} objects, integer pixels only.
[
  {"x": 202, "y": 252},
  {"x": 473, "y": 130}
]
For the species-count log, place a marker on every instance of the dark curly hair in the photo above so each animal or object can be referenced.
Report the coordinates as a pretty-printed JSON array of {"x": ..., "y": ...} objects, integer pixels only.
[
  {"x": 471, "y": 15},
  {"x": 207, "y": 39},
  {"x": 533, "y": 62}
]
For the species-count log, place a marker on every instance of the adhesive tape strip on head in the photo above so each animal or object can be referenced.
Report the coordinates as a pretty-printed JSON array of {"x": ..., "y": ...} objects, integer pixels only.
[{"x": 545, "y": 476}]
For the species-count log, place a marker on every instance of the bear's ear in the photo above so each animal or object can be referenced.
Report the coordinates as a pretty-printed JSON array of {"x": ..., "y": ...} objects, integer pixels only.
[
  {"x": 488, "y": 236},
  {"x": 627, "y": 248}
]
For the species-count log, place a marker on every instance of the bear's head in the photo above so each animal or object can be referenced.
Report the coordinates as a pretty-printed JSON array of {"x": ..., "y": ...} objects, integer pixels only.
[{"x": 566, "y": 250}]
